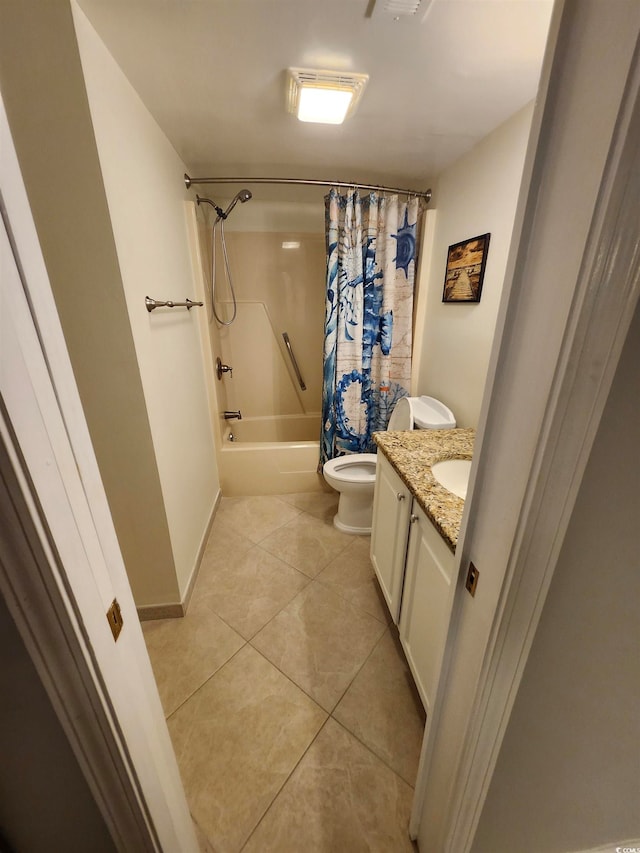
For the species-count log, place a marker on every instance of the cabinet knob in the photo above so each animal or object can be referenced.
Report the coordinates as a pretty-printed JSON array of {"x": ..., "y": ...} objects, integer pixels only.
[
  {"x": 400, "y": 496},
  {"x": 413, "y": 518}
]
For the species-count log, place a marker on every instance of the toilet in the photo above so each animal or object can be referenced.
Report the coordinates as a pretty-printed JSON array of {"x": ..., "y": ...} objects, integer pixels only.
[{"x": 354, "y": 475}]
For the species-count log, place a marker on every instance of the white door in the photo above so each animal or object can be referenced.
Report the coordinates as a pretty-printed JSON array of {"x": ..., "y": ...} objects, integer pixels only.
[
  {"x": 427, "y": 599},
  {"x": 389, "y": 531},
  {"x": 66, "y": 568}
]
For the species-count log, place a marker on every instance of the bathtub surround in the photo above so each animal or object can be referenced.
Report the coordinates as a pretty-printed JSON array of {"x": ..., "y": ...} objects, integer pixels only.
[
  {"x": 279, "y": 289},
  {"x": 276, "y": 252}
]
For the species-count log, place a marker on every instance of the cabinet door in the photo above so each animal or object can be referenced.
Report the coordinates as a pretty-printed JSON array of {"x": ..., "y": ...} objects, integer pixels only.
[
  {"x": 389, "y": 531},
  {"x": 426, "y": 603}
]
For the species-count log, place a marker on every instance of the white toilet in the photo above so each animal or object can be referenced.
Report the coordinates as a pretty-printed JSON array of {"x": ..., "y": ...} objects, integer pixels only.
[{"x": 354, "y": 476}]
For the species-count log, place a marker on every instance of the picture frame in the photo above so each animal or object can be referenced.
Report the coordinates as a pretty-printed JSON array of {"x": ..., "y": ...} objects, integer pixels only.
[{"x": 466, "y": 262}]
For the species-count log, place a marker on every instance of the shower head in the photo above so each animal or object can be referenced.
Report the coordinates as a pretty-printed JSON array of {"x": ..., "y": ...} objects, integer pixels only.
[
  {"x": 242, "y": 196},
  {"x": 219, "y": 212}
]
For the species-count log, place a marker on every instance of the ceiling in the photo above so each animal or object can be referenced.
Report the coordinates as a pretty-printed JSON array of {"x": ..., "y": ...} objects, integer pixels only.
[{"x": 212, "y": 73}]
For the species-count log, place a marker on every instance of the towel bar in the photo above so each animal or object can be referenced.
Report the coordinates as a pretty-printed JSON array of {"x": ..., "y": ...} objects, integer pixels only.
[{"x": 157, "y": 303}]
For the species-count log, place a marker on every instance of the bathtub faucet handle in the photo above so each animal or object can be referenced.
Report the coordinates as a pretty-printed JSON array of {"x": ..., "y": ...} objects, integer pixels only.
[
  {"x": 228, "y": 416},
  {"x": 223, "y": 368}
]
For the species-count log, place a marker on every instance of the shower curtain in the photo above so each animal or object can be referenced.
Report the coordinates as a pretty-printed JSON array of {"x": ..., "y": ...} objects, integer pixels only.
[{"x": 371, "y": 254}]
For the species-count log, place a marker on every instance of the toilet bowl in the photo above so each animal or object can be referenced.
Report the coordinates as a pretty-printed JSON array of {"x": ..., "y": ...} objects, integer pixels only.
[{"x": 354, "y": 476}]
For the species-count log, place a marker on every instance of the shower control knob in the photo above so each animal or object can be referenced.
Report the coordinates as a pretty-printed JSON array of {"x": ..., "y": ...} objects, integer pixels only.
[{"x": 223, "y": 368}]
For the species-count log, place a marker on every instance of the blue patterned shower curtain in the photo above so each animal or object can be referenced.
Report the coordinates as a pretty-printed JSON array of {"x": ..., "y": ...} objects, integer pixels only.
[{"x": 371, "y": 253}]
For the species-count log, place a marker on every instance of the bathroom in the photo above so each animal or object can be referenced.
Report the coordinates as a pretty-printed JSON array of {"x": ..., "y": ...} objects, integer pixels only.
[
  {"x": 169, "y": 468},
  {"x": 478, "y": 194},
  {"x": 164, "y": 482}
]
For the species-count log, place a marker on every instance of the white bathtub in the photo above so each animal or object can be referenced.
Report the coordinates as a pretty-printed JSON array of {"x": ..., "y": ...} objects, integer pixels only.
[{"x": 271, "y": 455}]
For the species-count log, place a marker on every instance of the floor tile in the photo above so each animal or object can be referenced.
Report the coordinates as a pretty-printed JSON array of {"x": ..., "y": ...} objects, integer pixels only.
[
  {"x": 307, "y": 543},
  {"x": 223, "y": 546},
  {"x": 237, "y": 740},
  {"x": 320, "y": 641},
  {"x": 203, "y": 842},
  {"x": 322, "y": 505},
  {"x": 383, "y": 710},
  {"x": 255, "y": 517},
  {"x": 340, "y": 798},
  {"x": 185, "y": 652},
  {"x": 223, "y": 540},
  {"x": 351, "y": 575},
  {"x": 249, "y": 590}
]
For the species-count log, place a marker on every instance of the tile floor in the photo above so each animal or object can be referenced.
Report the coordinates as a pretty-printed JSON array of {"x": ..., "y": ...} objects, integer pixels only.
[{"x": 289, "y": 702}]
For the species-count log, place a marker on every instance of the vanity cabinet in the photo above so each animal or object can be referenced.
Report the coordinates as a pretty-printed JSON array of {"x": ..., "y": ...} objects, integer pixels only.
[
  {"x": 426, "y": 603},
  {"x": 389, "y": 532},
  {"x": 415, "y": 569}
]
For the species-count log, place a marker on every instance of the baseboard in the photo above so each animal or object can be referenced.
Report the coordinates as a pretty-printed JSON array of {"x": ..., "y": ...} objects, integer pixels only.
[
  {"x": 203, "y": 544},
  {"x": 149, "y": 612}
]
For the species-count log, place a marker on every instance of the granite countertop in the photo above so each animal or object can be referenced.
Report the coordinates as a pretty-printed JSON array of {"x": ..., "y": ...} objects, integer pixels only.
[{"x": 412, "y": 454}]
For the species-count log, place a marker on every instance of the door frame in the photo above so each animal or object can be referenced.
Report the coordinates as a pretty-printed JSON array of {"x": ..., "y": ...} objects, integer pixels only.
[
  {"x": 60, "y": 562},
  {"x": 583, "y": 367}
]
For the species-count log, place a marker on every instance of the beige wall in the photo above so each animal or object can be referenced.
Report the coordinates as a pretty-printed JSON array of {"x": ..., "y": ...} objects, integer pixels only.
[
  {"x": 45, "y": 98},
  {"x": 476, "y": 195},
  {"x": 567, "y": 773},
  {"x": 147, "y": 199}
]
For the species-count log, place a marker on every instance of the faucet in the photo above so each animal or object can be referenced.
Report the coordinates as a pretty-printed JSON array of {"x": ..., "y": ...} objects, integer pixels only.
[{"x": 228, "y": 416}]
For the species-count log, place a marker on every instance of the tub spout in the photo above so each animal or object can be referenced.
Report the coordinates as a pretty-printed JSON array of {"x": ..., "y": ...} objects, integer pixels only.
[{"x": 228, "y": 416}]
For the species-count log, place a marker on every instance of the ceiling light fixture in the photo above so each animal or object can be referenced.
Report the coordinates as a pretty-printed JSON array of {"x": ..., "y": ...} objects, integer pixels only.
[
  {"x": 326, "y": 97},
  {"x": 401, "y": 10}
]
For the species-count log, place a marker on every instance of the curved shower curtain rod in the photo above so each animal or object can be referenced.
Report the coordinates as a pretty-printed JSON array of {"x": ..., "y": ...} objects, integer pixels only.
[{"x": 425, "y": 194}]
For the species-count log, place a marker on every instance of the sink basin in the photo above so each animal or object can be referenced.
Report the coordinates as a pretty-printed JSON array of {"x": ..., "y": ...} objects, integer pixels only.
[{"x": 453, "y": 474}]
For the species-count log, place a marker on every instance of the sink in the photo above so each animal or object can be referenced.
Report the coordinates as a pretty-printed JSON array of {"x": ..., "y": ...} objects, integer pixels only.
[{"x": 453, "y": 474}]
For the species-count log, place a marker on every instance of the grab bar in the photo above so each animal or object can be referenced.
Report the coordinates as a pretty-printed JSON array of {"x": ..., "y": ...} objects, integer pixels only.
[
  {"x": 287, "y": 343},
  {"x": 156, "y": 303}
]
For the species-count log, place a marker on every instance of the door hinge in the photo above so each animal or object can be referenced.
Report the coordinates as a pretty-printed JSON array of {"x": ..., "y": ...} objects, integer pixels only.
[{"x": 114, "y": 618}]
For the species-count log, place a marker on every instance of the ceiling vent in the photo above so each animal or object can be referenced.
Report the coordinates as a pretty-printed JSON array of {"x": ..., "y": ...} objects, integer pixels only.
[
  {"x": 327, "y": 97},
  {"x": 401, "y": 10}
]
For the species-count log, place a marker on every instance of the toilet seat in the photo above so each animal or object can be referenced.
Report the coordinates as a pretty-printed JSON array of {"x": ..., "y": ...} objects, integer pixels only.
[{"x": 355, "y": 468}]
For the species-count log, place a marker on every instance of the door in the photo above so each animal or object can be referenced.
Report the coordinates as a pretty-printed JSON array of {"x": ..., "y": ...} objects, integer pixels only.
[
  {"x": 60, "y": 565},
  {"x": 426, "y": 604},
  {"x": 389, "y": 530}
]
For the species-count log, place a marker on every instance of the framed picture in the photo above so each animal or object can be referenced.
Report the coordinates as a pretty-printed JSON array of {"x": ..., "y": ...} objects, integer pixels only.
[{"x": 465, "y": 270}]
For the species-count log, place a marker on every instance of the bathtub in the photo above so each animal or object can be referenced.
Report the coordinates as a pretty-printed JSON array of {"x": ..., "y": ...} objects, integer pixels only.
[{"x": 271, "y": 455}]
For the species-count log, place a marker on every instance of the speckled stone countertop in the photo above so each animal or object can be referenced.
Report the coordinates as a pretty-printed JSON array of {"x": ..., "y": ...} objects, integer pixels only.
[{"x": 412, "y": 454}]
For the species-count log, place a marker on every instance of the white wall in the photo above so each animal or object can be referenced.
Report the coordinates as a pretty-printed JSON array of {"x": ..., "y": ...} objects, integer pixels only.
[
  {"x": 147, "y": 198},
  {"x": 50, "y": 121},
  {"x": 567, "y": 773},
  {"x": 476, "y": 195},
  {"x": 588, "y": 82}
]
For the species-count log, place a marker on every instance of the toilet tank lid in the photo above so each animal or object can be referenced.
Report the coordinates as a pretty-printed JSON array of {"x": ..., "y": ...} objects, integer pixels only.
[{"x": 429, "y": 413}]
